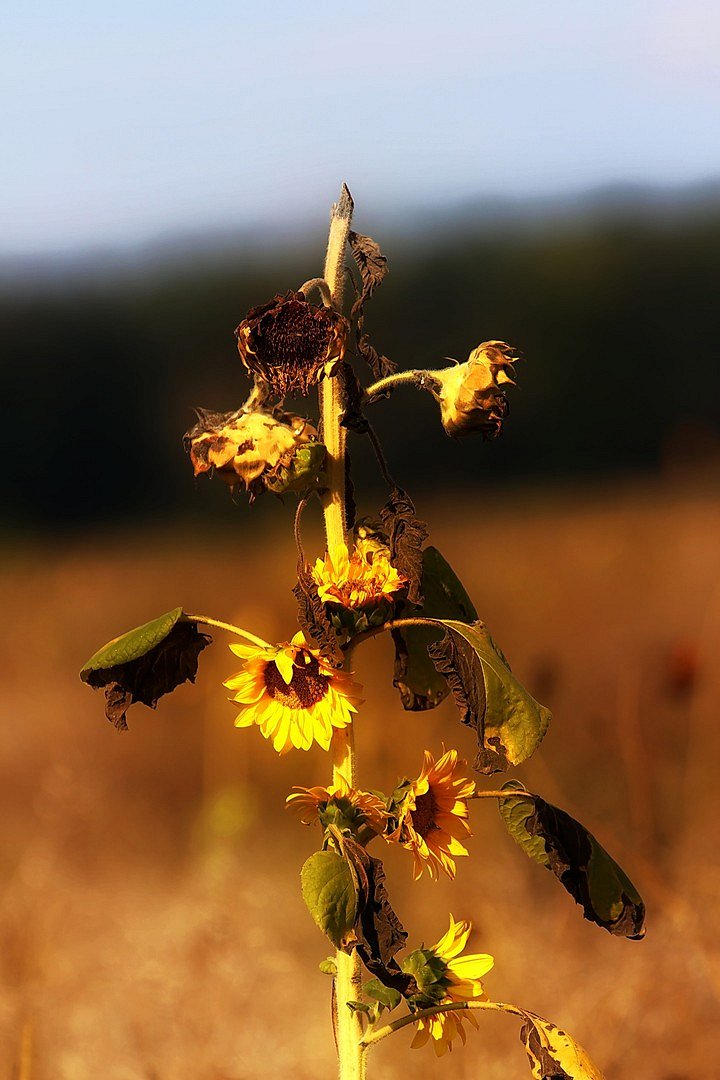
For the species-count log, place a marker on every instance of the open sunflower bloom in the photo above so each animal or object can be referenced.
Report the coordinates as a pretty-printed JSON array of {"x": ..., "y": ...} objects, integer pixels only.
[
  {"x": 458, "y": 979},
  {"x": 359, "y": 578},
  {"x": 292, "y": 693},
  {"x": 432, "y": 819}
]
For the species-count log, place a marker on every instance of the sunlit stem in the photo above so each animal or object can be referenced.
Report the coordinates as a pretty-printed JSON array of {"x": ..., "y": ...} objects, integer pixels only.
[
  {"x": 377, "y": 1034},
  {"x": 322, "y": 287},
  {"x": 424, "y": 380},
  {"x": 348, "y": 1025},
  {"x": 230, "y": 629}
]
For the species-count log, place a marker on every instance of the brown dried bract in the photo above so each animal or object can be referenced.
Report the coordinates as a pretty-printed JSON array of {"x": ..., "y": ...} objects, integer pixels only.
[
  {"x": 471, "y": 395},
  {"x": 290, "y": 343}
]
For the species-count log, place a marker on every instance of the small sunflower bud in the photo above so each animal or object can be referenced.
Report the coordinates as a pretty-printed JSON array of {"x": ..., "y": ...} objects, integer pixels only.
[
  {"x": 290, "y": 343},
  {"x": 471, "y": 395},
  {"x": 256, "y": 449}
]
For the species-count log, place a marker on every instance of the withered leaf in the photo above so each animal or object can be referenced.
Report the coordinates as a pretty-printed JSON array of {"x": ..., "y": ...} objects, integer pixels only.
[
  {"x": 379, "y": 931},
  {"x": 580, "y": 863},
  {"x": 145, "y": 663},
  {"x": 371, "y": 263},
  {"x": 312, "y": 615},
  {"x": 406, "y": 535},
  {"x": 419, "y": 682},
  {"x": 351, "y": 416},
  {"x": 553, "y": 1054},
  {"x": 510, "y": 724}
]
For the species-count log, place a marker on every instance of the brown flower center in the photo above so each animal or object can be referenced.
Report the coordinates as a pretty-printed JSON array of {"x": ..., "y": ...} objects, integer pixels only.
[
  {"x": 306, "y": 688},
  {"x": 423, "y": 816}
]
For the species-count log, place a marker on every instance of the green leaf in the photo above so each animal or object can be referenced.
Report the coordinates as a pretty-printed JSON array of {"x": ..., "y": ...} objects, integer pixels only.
[
  {"x": 330, "y": 895},
  {"x": 509, "y": 722},
  {"x": 145, "y": 663},
  {"x": 133, "y": 644},
  {"x": 329, "y": 966},
  {"x": 420, "y": 684},
  {"x": 581, "y": 864},
  {"x": 553, "y": 1054}
]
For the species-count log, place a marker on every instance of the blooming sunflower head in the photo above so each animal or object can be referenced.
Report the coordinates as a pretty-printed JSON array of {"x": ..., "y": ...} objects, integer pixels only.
[
  {"x": 432, "y": 814},
  {"x": 359, "y": 581},
  {"x": 292, "y": 693},
  {"x": 291, "y": 344},
  {"x": 443, "y": 976},
  {"x": 256, "y": 450},
  {"x": 360, "y": 812},
  {"x": 471, "y": 395}
]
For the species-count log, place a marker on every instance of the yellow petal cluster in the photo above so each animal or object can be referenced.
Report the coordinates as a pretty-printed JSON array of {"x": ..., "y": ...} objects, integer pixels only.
[
  {"x": 292, "y": 694},
  {"x": 244, "y": 447},
  {"x": 433, "y": 817},
  {"x": 359, "y": 578},
  {"x": 462, "y": 979}
]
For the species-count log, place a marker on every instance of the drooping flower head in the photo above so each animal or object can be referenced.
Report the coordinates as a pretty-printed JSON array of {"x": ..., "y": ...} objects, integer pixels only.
[
  {"x": 432, "y": 814},
  {"x": 357, "y": 579},
  {"x": 471, "y": 395},
  {"x": 291, "y": 344},
  {"x": 361, "y": 812},
  {"x": 292, "y": 693},
  {"x": 443, "y": 975},
  {"x": 256, "y": 449}
]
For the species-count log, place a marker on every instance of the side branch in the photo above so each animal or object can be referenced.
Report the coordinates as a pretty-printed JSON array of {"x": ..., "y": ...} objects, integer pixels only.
[{"x": 375, "y": 1035}]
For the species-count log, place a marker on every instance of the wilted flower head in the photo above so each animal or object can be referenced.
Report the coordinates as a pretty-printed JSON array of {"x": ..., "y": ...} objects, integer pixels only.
[
  {"x": 256, "y": 449},
  {"x": 471, "y": 395},
  {"x": 290, "y": 343},
  {"x": 443, "y": 976},
  {"x": 292, "y": 693},
  {"x": 357, "y": 578}
]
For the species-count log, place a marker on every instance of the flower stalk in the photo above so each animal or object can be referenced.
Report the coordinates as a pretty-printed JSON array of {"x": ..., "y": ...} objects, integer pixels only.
[{"x": 348, "y": 980}]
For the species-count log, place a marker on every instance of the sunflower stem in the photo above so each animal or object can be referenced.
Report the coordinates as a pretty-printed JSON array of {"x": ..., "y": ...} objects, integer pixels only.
[
  {"x": 231, "y": 629},
  {"x": 374, "y": 1035},
  {"x": 348, "y": 1023}
]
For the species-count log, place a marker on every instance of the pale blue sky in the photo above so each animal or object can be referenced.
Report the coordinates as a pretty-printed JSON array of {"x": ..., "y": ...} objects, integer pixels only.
[{"x": 126, "y": 122}]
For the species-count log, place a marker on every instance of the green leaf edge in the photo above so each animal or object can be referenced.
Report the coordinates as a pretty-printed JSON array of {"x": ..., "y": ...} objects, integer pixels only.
[{"x": 132, "y": 644}]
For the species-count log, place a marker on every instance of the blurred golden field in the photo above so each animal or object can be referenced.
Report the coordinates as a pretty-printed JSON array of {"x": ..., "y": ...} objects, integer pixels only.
[{"x": 151, "y": 921}]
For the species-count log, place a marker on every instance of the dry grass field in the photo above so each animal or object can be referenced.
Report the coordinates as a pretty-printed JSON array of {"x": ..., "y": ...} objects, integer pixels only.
[{"x": 151, "y": 924}]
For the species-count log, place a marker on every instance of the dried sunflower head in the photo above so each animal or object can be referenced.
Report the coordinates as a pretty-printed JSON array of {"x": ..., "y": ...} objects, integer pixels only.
[
  {"x": 471, "y": 395},
  {"x": 290, "y": 343},
  {"x": 256, "y": 449}
]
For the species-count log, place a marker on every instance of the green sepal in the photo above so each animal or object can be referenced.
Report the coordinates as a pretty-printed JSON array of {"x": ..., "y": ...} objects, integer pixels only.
[
  {"x": 329, "y": 966},
  {"x": 330, "y": 894},
  {"x": 388, "y": 997},
  {"x": 302, "y": 473}
]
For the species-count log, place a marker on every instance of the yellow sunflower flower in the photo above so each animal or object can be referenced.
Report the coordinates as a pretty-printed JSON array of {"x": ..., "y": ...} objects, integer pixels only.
[
  {"x": 449, "y": 977},
  {"x": 459, "y": 981},
  {"x": 355, "y": 580},
  {"x": 433, "y": 815},
  {"x": 292, "y": 693},
  {"x": 341, "y": 804}
]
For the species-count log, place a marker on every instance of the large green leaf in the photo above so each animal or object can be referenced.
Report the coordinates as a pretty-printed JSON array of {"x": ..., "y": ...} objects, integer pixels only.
[
  {"x": 330, "y": 894},
  {"x": 509, "y": 722},
  {"x": 145, "y": 663},
  {"x": 553, "y": 1054},
  {"x": 582, "y": 865},
  {"x": 420, "y": 684}
]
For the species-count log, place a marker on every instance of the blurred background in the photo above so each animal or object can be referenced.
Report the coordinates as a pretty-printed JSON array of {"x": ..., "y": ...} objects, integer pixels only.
[{"x": 550, "y": 177}]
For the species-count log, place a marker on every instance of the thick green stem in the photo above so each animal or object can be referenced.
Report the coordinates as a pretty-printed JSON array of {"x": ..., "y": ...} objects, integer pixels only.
[{"x": 348, "y": 1024}]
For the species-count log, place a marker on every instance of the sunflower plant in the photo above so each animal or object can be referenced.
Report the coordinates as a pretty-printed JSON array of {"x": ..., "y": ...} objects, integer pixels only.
[{"x": 377, "y": 575}]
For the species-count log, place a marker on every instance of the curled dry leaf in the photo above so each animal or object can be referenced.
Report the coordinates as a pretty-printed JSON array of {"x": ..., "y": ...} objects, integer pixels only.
[
  {"x": 580, "y": 863},
  {"x": 553, "y": 1054},
  {"x": 406, "y": 535},
  {"x": 509, "y": 722},
  {"x": 145, "y": 663},
  {"x": 372, "y": 265}
]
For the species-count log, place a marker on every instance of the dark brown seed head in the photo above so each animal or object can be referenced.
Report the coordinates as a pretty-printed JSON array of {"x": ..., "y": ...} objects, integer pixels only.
[{"x": 290, "y": 343}]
